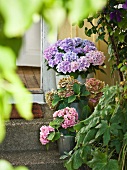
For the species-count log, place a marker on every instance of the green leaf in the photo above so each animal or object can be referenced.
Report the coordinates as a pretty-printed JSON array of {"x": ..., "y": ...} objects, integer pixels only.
[
  {"x": 100, "y": 161},
  {"x": 125, "y": 138},
  {"x": 90, "y": 136},
  {"x": 77, "y": 160},
  {"x": 57, "y": 136},
  {"x": 81, "y": 24},
  {"x": 86, "y": 111},
  {"x": 123, "y": 68},
  {"x": 62, "y": 105},
  {"x": 6, "y": 54},
  {"x": 106, "y": 136},
  {"x": 120, "y": 65},
  {"x": 5, "y": 165},
  {"x": 78, "y": 126},
  {"x": 92, "y": 122},
  {"x": 63, "y": 156},
  {"x": 55, "y": 100},
  {"x": 68, "y": 164},
  {"x": 117, "y": 144},
  {"x": 79, "y": 138},
  {"x": 76, "y": 88},
  {"x": 51, "y": 136},
  {"x": 82, "y": 89},
  {"x": 85, "y": 153},
  {"x": 18, "y": 20},
  {"x": 56, "y": 122},
  {"x": 21, "y": 168},
  {"x": 101, "y": 128},
  {"x": 121, "y": 37},
  {"x": 71, "y": 99},
  {"x": 112, "y": 164},
  {"x": 85, "y": 93},
  {"x": 114, "y": 128},
  {"x": 110, "y": 49},
  {"x": 24, "y": 108},
  {"x": 2, "y": 128}
]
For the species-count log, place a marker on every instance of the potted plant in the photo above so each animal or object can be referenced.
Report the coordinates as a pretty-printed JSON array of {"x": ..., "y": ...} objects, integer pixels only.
[
  {"x": 70, "y": 93},
  {"x": 60, "y": 129},
  {"x": 74, "y": 57}
]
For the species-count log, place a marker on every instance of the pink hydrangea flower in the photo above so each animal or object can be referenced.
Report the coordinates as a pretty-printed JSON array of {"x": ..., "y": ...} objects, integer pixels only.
[
  {"x": 44, "y": 132},
  {"x": 69, "y": 115}
]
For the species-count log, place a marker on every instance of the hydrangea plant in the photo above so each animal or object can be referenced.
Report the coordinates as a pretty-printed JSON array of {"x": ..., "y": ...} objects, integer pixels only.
[
  {"x": 63, "y": 122},
  {"x": 70, "y": 91},
  {"x": 74, "y": 56}
]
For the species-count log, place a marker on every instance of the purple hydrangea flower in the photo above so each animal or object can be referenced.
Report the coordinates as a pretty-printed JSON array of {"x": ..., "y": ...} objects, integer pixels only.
[
  {"x": 95, "y": 57},
  {"x": 50, "y": 52},
  {"x": 73, "y": 54},
  {"x": 51, "y": 63},
  {"x": 87, "y": 48},
  {"x": 67, "y": 44},
  {"x": 58, "y": 58},
  {"x": 88, "y": 43},
  {"x": 125, "y": 5},
  {"x": 74, "y": 66},
  {"x": 78, "y": 50},
  {"x": 77, "y": 41},
  {"x": 83, "y": 63},
  {"x": 70, "y": 56},
  {"x": 64, "y": 67},
  {"x": 116, "y": 15}
]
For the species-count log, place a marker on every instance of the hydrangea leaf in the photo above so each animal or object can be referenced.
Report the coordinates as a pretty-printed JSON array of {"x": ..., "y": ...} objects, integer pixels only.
[
  {"x": 71, "y": 99},
  {"x": 76, "y": 88},
  {"x": 57, "y": 136},
  {"x": 51, "y": 136}
]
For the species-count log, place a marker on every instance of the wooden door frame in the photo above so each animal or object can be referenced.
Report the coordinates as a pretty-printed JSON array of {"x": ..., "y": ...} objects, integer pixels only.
[{"x": 48, "y": 77}]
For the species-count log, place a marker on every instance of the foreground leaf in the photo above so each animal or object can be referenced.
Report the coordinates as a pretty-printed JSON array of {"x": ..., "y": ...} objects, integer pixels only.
[{"x": 100, "y": 161}]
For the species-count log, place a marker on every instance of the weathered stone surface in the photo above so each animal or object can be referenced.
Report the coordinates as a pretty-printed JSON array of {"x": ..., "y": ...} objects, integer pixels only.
[
  {"x": 21, "y": 145},
  {"x": 23, "y": 135},
  {"x": 35, "y": 160}
]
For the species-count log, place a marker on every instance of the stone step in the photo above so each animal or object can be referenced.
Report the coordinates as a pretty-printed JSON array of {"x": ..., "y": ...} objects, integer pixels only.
[
  {"x": 35, "y": 160},
  {"x": 22, "y": 135}
]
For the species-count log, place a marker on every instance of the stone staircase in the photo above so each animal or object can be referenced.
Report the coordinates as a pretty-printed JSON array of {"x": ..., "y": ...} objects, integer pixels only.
[{"x": 21, "y": 145}]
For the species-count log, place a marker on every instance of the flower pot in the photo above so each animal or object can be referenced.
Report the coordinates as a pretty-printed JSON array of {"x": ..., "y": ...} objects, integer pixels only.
[
  {"x": 81, "y": 115},
  {"x": 83, "y": 80},
  {"x": 78, "y": 109},
  {"x": 66, "y": 144}
]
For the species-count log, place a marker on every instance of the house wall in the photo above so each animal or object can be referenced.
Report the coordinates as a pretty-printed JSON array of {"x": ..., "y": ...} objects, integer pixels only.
[{"x": 67, "y": 30}]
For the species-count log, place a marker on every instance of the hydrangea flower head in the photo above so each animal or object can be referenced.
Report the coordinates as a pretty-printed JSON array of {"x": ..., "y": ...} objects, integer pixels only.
[
  {"x": 73, "y": 55},
  {"x": 69, "y": 115},
  {"x": 44, "y": 132}
]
